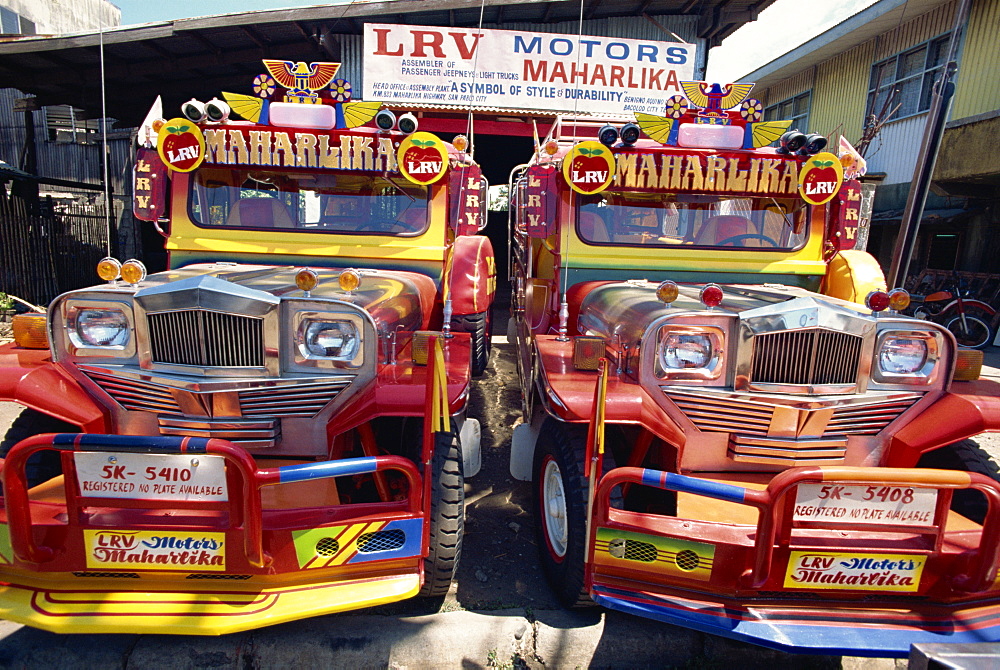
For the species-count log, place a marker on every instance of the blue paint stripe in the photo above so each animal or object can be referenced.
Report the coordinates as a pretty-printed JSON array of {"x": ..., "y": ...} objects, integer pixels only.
[
  {"x": 413, "y": 532},
  {"x": 136, "y": 443},
  {"x": 686, "y": 484},
  {"x": 342, "y": 468},
  {"x": 867, "y": 639}
]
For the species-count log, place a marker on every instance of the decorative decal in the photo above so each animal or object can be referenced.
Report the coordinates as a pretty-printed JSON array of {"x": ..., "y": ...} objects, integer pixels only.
[
  {"x": 589, "y": 167},
  {"x": 467, "y": 195},
  {"x": 357, "y": 543},
  {"x": 245, "y": 145},
  {"x": 665, "y": 555},
  {"x": 181, "y": 145},
  {"x": 854, "y": 571},
  {"x": 845, "y": 216},
  {"x": 820, "y": 178},
  {"x": 752, "y": 110},
  {"x": 677, "y": 106},
  {"x": 761, "y": 134},
  {"x": 263, "y": 86},
  {"x": 715, "y": 97},
  {"x": 149, "y": 185},
  {"x": 658, "y": 128},
  {"x": 540, "y": 201},
  {"x": 154, "y": 550},
  {"x": 422, "y": 158}
]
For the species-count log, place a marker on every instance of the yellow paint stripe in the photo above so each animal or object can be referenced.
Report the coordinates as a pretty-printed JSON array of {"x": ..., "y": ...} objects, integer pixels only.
[
  {"x": 957, "y": 478},
  {"x": 351, "y": 550}
]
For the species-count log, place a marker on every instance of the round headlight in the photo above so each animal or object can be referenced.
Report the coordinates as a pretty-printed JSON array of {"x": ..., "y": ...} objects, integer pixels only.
[
  {"x": 901, "y": 355},
  {"x": 102, "y": 327},
  {"x": 683, "y": 351},
  {"x": 330, "y": 339}
]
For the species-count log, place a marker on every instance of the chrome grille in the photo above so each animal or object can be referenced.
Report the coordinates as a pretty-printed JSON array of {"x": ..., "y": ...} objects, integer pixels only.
[
  {"x": 290, "y": 401},
  {"x": 205, "y": 338},
  {"x": 805, "y": 357},
  {"x": 741, "y": 415},
  {"x": 136, "y": 396}
]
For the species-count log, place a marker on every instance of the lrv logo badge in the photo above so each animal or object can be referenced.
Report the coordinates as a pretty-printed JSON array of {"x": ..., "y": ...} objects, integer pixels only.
[
  {"x": 589, "y": 167},
  {"x": 820, "y": 178}
]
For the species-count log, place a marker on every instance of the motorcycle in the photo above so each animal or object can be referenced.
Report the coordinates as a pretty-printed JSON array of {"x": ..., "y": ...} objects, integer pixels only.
[{"x": 968, "y": 319}]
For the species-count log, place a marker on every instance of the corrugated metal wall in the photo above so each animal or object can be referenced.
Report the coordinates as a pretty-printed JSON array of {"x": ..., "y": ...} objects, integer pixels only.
[
  {"x": 978, "y": 86},
  {"x": 635, "y": 28},
  {"x": 894, "y": 151},
  {"x": 801, "y": 82},
  {"x": 919, "y": 29},
  {"x": 841, "y": 93}
]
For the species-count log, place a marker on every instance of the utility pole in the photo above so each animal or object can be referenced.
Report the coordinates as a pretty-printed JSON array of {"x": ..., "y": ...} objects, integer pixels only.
[{"x": 937, "y": 117}]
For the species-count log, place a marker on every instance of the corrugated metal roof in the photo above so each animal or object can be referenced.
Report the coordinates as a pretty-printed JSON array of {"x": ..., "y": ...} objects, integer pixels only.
[{"x": 200, "y": 57}]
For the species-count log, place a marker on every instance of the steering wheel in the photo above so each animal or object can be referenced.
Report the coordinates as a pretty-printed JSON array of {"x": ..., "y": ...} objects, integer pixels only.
[
  {"x": 747, "y": 236},
  {"x": 383, "y": 226}
]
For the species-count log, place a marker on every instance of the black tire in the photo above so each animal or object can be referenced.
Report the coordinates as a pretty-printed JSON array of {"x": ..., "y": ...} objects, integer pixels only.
[
  {"x": 44, "y": 465},
  {"x": 447, "y": 517},
  {"x": 968, "y": 456},
  {"x": 978, "y": 335},
  {"x": 563, "y": 447},
  {"x": 480, "y": 327}
]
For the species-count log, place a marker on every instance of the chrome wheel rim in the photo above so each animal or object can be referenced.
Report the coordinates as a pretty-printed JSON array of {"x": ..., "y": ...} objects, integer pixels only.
[{"x": 554, "y": 509}]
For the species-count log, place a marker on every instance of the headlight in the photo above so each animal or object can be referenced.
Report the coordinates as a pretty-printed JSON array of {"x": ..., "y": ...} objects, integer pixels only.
[
  {"x": 329, "y": 339},
  {"x": 684, "y": 352},
  {"x": 690, "y": 352},
  {"x": 102, "y": 328},
  {"x": 902, "y": 355}
]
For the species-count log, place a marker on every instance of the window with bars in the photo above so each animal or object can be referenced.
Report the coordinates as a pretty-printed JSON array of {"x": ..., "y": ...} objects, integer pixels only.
[
  {"x": 795, "y": 109},
  {"x": 66, "y": 124},
  {"x": 908, "y": 77},
  {"x": 13, "y": 24}
]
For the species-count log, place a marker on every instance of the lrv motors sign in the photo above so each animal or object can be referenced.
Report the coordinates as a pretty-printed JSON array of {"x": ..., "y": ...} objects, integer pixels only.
[{"x": 426, "y": 65}]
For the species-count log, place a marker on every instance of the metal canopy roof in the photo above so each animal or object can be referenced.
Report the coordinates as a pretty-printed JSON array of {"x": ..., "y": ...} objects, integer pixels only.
[{"x": 201, "y": 56}]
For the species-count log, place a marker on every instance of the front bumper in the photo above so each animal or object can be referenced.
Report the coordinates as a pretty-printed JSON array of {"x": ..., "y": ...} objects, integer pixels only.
[
  {"x": 274, "y": 546},
  {"x": 734, "y": 560}
]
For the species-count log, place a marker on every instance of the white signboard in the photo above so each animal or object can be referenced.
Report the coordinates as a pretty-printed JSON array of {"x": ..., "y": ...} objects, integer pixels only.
[
  {"x": 151, "y": 476},
  {"x": 424, "y": 65},
  {"x": 876, "y": 504}
]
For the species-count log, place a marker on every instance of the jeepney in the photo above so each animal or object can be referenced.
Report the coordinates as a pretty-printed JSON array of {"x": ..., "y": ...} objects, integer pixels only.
[
  {"x": 723, "y": 410},
  {"x": 274, "y": 427}
]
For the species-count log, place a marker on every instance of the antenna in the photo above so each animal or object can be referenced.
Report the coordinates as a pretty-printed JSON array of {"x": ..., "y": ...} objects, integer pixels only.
[{"x": 108, "y": 206}]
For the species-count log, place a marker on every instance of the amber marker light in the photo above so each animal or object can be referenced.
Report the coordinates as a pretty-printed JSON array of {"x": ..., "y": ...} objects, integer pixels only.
[
  {"x": 551, "y": 147},
  {"x": 133, "y": 271},
  {"x": 30, "y": 331},
  {"x": 461, "y": 142},
  {"x": 587, "y": 352},
  {"x": 667, "y": 291},
  {"x": 968, "y": 365},
  {"x": 877, "y": 301},
  {"x": 306, "y": 280},
  {"x": 711, "y": 295},
  {"x": 349, "y": 280},
  {"x": 109, "y": 269},
  {"x": 899, "y": 299}
]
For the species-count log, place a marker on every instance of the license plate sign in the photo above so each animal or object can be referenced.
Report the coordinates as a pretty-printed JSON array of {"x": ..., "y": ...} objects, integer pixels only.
[
  {"x": 151, "y": 476},
  {"x": 868, "y": 504}
]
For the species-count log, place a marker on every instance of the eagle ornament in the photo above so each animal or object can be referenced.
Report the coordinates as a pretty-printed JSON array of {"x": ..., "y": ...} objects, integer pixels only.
[{"x": 715, "y": 104}]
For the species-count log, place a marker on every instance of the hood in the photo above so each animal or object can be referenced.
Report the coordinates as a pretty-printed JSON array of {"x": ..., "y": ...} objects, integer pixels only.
[
  {"x": 393, "y": 298},
  {"x": 626, "y": 309}
]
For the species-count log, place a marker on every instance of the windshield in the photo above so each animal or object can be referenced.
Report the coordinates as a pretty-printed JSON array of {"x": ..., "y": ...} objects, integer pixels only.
[
  {"x": 666, "y": 219},
  {"x": 329, "y": 203}
]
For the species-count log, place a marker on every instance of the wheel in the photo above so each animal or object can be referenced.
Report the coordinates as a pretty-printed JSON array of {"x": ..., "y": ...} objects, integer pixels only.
[
  {"x": 560, "y": 502},
  {"x": 447, "y": 517},
  {"x": 44, "y": 465},
  {"x": 480, "y": 326},
  {"x": 975, "y": 334},
  {"x": 967, "y": 456}
]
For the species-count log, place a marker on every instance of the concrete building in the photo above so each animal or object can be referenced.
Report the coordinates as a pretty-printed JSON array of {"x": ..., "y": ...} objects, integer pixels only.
[{"x": 878, "y": 67}]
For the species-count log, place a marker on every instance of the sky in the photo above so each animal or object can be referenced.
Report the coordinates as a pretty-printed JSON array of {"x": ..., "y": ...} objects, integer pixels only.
[{"x": 781, "y": 27}]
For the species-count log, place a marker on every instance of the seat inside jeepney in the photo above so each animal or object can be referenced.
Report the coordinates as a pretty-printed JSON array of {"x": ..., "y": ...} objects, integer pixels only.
[
  {"x": 719, "y": 229},
  {"x": 593, "y": 228},
  {"x": 264, "y": 212}
]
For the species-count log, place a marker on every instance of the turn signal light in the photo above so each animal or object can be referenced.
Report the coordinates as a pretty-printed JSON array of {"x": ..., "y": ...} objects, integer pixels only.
[
  {"x": 133, "y": 271},
  {"x": 30, "y": 331},
  {"x": 899, "y": 299},
  {"x": 877, "y": 301},
  {"x": 306, "y": 279},
  {"x": 711, "y": 295},
  {"x": 667, "y": 291},
  {"x": 349, "y": 280},
  {"x": 968, "y": 365},
  {"x": 109, "y": 269},
  {"x": 587, "y": 352}
]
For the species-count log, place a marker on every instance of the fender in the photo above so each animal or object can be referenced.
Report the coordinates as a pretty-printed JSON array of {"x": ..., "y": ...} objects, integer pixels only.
[
  {"x": 28, "y": 377},
  {"x": 966, "y": 304},
  {"x": 968, "y": 409},
  {"x": 851, "y": 275},
  {"x": 472, "y": 276}
]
